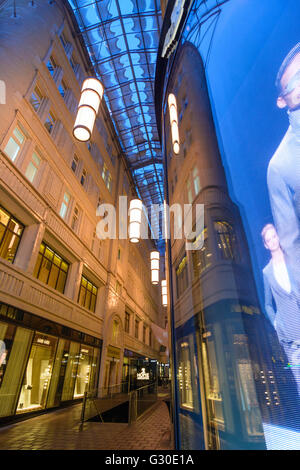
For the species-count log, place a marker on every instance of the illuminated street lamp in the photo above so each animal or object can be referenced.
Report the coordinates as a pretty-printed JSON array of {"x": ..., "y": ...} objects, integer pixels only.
[
  {"x": 154, "y": 257},
  {"x": 174, "y": 122},
  {"x": 135, "y": 219},
  {"x": 164, "y": 293},
  {"x": 91, "y": 95}
]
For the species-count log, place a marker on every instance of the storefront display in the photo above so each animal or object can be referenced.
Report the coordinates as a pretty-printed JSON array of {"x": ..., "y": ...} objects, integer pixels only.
[{"x": 38, "y": 370}]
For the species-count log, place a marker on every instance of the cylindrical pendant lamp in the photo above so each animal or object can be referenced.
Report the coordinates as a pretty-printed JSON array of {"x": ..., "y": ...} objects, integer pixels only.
[
  {"x": 91, "y": 95},
  {"x": 135, "y": 219}
]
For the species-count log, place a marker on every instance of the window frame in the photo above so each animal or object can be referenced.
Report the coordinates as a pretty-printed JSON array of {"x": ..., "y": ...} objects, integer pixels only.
[
  {"x": 92, "y": 296},
  {"x": 7, "y": 229},
  {"x": 43, "y": 257}
]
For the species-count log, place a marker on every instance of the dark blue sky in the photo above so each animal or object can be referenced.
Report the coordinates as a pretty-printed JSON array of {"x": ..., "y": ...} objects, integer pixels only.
[{"x": 251, "y": 40}]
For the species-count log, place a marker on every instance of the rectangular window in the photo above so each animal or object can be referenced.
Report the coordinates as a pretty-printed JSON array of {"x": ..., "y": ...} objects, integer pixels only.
[
  {"x": 64, "y": 205},
  {"x": 127, "y": 322},
  {"x": 196, "y": 181},
  {"x": 62, "y": 88},
  {"x": 201, "y": 257},
  {"x": 189, "y": 191},
  {"x": 63, "y": 40},
  {"x": 51, "y": 65},
  {"x": 33, "y": 167},
  {"x": 75, "y": 218},
  {"x": 51, "y": 268},
  {"x": 83, "y": 177},
  {"x": 87, "y": 294},
  {"x": 150, "y": 338},
  {"x": 181, "y": 276},
  {"x": 36, "y": 98},
  {"x": 144, "y": 334},
  {"x": 74, "y": 163},
  {"x": 50, "y": 121},
  {"x": 73, "y": 63},
  {"x": 106, "y": 176},
  {"x": 15, "y": 144},
  {"x": 10, "y": 235},
  {"x": 136, "y": 328}
]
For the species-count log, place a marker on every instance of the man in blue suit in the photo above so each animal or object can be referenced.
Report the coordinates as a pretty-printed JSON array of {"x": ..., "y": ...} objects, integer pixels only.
[{"x": 283, "y": 175}]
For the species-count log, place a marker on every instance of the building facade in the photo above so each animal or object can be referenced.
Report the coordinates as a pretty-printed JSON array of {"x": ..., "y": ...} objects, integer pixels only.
[{"x": 76, "y": 311}]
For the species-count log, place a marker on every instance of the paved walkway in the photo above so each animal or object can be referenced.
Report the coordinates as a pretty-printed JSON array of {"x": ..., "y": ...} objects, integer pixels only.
[{"x": 61, "y": 430}]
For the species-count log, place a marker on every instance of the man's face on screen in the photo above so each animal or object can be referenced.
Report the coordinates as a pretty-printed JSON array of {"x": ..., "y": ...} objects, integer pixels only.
[
  {"x": 290, "y": 86},
  {"x": 271, "y": 240}
]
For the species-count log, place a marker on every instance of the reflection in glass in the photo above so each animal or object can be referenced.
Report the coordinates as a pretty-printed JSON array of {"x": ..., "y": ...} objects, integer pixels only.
[
  {"x": 201, "y": 258},
  {"x": 225, "y": 239}
]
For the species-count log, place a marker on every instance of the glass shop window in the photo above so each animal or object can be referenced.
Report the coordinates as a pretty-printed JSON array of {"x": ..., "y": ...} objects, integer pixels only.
[
  {"x": 181, "y": 276},
  {"x": 10, "y": 235},
  {"x": 226, "y": 241},
  {"x": 14, "y": 144},
  {"x": 14, "y": 349},
  {"x": 185, "y": 376},
  {"x": 84, "y": 370},
  {"x": 201, "y": 257},
  {"x": 33, "y": 167},
  {"x": 7, "y": 332},
  {"x": 51, "y": 268},
  {"x": 87, "y": 294},
  {"x": 71, "y": 356},
  {"x": 38, "y": 374}
]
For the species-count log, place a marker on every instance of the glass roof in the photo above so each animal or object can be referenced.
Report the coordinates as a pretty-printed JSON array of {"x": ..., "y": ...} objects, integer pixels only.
[{"x": 122, "y": 39}]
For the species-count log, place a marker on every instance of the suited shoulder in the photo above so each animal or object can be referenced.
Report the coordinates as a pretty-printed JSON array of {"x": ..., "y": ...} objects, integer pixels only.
[
  {"x": 282, "y": 156},
  {"x": 267, "y": 268}
]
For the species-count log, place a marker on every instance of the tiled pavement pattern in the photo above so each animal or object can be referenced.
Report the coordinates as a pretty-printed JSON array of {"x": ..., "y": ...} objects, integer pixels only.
[{"x": 61, "y": 430}]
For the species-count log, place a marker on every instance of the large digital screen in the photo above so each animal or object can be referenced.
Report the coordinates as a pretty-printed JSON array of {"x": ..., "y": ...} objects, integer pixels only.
[{"x": 252, "y": 57}]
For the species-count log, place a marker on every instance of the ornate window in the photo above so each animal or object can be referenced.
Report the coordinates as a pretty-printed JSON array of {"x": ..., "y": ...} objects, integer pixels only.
[{"x": 226, "y": 240}]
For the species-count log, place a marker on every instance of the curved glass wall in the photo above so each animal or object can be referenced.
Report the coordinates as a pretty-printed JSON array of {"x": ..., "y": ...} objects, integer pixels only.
[{"x": 236, "y": 290}]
